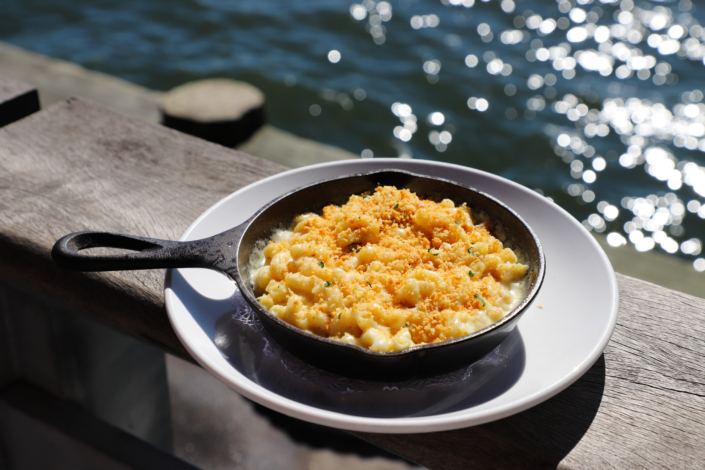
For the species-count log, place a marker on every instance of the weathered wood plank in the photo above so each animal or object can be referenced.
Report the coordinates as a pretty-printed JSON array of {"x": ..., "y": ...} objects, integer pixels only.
[
  {"x": 82, "y": 167},
  {"x": 17, "y": 100},
  {"x": 77, "y": 166},
  {"x": 58, "y": 80}
]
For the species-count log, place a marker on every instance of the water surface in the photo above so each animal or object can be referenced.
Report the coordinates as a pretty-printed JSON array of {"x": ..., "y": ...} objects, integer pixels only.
[{"x": 597, "y": 105}]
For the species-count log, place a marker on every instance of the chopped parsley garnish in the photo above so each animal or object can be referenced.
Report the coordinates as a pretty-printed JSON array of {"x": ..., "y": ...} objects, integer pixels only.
[
  {"x": 352, "y": 247},
  {"x": 434, "y": 254},
  {"x": 472, "y": 274},
  {"x": 470, "y": 250},
  {"x": 369, "y": 284},
  {"x": 328, "y": 284},
  {"x": 396, "y": 206},
  {"x": 406, "y": 325},
  {"x": 321, "y": 264},
  {"x": 339, "y": 315},
  {"x": 477, "y": 296},
  {"x": 365, "y": 197},
  {"x": 456, "y": 222},
  {"x": 429, "y": 250}
]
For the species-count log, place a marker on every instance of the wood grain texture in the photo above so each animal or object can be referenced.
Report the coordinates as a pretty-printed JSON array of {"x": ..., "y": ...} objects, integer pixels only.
[
  {"x": 77, "y": 166},
  {"x": 17, "y": 100}
]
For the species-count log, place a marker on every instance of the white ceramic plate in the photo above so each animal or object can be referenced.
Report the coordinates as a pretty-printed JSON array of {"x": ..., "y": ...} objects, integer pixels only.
[{"x": 556, "y": 341}]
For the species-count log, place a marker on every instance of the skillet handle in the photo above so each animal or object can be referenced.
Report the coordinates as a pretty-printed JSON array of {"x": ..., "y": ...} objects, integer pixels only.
[{"x": 149, "y": 253}]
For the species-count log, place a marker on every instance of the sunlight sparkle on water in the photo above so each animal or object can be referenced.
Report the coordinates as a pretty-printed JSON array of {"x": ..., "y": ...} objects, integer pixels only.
[
  {"x": 436, "y": 118},
  {"x": 624, "y": 47}
]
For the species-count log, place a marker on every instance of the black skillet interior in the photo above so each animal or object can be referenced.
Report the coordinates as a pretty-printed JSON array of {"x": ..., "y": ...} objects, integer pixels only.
[{"x": 417, "y": 361}]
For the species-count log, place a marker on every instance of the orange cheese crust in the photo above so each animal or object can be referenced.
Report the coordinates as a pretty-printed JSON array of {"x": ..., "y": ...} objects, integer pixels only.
[{"x": 389, "y": 270}]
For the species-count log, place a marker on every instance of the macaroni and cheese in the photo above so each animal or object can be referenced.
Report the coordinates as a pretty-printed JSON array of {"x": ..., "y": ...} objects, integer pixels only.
[{"x": 388, "y": 270}]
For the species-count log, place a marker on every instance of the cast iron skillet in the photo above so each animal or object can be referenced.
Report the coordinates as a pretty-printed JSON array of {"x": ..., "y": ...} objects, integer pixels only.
[{"x": 229, "y": 253}]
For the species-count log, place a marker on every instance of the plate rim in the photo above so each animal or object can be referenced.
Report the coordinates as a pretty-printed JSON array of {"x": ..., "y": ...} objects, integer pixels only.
[{"x": 403, "y": 425}]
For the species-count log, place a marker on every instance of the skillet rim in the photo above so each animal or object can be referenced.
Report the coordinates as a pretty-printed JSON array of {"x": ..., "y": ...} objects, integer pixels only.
[{"x": 247, "y": 293}]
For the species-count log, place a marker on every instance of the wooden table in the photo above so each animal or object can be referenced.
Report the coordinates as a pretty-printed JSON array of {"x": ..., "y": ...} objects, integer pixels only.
[{"x": 77, "y": 166}]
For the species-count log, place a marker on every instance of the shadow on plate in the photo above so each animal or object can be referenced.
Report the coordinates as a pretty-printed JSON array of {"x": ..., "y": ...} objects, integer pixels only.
[{"x": 249, "y": 348}]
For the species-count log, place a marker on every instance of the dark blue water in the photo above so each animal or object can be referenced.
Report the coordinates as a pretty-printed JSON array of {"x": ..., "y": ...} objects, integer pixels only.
[{"x": 599, "y": 106}]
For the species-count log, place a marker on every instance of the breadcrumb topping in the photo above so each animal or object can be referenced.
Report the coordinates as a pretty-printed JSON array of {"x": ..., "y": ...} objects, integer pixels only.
[{"x": 388, "y": 270}]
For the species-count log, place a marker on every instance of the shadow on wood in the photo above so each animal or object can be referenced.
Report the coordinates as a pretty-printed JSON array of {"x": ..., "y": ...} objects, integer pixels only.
[
  {"x": 17, "y": 100},
  {"x": 108, "y": 374},
  {"x": 512, "y": 442},
  {"x": 38, "y": 430}
]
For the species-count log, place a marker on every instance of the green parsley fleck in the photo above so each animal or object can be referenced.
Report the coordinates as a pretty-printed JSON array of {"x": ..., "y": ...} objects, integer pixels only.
[
  {"x": 396, "y": 206},
  {"x": 321, "y": 264},
  {"x": 369, "y": 284},
  {"x": 339, "y": 315},
  {"x": 456, "y": 222},
  {"x": 328, "y": 284},
  {"x": 406, "y": 325},
  {"x": 353, "y": 247},
  {"x": 472, "y": 274},
  {"x": 477, "y": 296},
  {"x": 365, "y": 197},
  {"x": 434, "y": 254},
  {"x": 429, "y": 250}
]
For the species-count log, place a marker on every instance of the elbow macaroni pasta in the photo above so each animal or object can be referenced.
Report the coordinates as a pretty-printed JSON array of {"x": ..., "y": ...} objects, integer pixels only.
[{"x": 387, "y": 271}]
